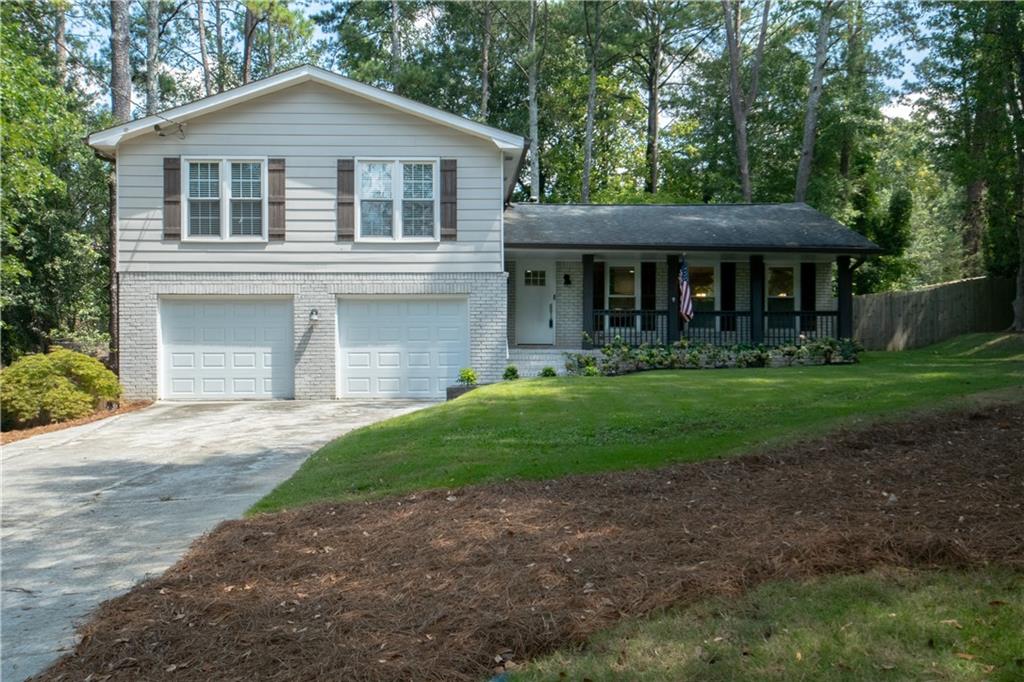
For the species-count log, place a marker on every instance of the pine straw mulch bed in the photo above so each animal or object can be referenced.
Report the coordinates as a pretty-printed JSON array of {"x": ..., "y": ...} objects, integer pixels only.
[
  {"x": 14, "y": 435},
  {"x": 439, "y": 586}
]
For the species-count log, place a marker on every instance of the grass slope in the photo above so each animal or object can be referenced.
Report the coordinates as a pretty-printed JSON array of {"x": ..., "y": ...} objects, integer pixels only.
[
  {"x": 545, "y": 428},
  {"x": 880, "y": 626}
]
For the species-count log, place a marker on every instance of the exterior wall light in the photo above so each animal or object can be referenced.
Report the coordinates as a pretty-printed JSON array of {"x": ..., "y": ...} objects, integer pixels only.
[
  {"x": 314, "y": 315},
  {"x": 567, "y": 280}
]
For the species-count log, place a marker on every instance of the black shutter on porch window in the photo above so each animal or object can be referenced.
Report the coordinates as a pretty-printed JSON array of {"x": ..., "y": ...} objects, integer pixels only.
[
  {"x": 728, "y": 296},
  {"x": 648, "y": 294},
  {"x": 598, "y": 286},
  {"x": 808, "y": 296}
]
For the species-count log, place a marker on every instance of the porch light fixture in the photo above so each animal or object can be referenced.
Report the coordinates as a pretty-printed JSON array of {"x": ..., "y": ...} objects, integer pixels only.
[
  {"x": 314, "y": 315},
  {"x": 567, "y": 280}
]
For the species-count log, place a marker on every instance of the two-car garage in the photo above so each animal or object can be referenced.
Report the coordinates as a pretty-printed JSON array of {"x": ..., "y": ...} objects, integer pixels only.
[{"x": 239, "y": 348}]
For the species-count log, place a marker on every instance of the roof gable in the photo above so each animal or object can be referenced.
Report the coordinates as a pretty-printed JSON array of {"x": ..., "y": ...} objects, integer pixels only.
[{"x": 106, "y": 141}]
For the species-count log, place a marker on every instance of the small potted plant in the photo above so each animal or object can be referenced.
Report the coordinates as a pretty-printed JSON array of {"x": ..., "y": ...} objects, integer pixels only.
[{"x": 464, "y": 384}]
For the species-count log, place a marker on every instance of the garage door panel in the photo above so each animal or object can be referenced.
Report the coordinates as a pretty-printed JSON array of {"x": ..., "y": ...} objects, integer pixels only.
[
  {"x": 226, "y": 349},
  {"x": 395, "y": 348}
]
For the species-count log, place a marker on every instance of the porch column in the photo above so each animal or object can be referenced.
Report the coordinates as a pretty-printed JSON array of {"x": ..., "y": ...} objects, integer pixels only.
[
  {"x": 672, "y": 282},
  {"x": 588, "y": 298},
  {"x": 756, "y": 299},
  {"x": 844, "y": 291}
]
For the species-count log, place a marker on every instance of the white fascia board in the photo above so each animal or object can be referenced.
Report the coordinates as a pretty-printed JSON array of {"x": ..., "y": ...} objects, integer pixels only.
[{"x": 108, "y": 140}]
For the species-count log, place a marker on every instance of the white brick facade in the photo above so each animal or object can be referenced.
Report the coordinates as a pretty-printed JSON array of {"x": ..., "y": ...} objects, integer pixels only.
[{"x": 315, "y": 343}]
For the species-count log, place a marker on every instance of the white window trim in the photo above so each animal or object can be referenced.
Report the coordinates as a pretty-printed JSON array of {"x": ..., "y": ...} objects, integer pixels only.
[
  {"x": 717, "y": 293},
  {"x": 396, "y": 199},
  {"x": 608, "y": 265},
  {"x": 795, "y": 267},
  {"x": 225, "y": 200}
]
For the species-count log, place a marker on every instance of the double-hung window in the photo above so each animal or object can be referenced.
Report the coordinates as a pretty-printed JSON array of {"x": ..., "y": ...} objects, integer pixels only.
[
  {"x": 226, "y": 199},
  {"x": 397, "y": 199}
]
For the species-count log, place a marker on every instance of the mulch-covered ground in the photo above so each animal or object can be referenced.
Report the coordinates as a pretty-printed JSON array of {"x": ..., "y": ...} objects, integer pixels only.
[
  {"x": 14, "y": 435},
  {"x": 442, "y": 586}
]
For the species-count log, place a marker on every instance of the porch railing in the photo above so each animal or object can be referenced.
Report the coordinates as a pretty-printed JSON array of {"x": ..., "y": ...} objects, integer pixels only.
[
  {"x": 634, "y": 327},
  {"x": 720, "y": 327}
]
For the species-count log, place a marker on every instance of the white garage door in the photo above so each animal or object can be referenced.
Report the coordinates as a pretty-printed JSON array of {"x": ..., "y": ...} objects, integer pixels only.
[
  {"x": 400, "y": 348},
  {"x": 226, "y": 349}
]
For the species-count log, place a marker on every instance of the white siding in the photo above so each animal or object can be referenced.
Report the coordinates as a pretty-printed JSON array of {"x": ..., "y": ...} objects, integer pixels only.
[{"x": 311, "y": 126}]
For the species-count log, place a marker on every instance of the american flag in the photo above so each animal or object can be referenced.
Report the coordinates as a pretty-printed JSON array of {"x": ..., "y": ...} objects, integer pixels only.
[{"x": 685, "y": 299}]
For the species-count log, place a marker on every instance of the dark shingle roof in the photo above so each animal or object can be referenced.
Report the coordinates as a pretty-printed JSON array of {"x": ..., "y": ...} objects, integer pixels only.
[{"x": 697, "y": 227}]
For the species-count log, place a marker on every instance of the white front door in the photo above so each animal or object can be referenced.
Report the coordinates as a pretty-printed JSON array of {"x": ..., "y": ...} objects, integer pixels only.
[
  {"x": 409, "y": 347},
  {"x": 227, "y": 348},
  {"x": 535, "y": 302}
]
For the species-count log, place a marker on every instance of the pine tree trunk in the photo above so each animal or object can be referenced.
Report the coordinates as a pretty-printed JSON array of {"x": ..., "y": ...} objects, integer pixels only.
[
  {"x": 249, "y": 28},
  {"x": 120, "y": 73},
  {"x": 60, "y": 43},
  {"x": 653, "y": 105},
  {"x": 221, "y": 61},
  {"x": 152, "y": 55},
  {"x": 485, "y": 62},
  {"x": 588, "y": 136},
  {"x": 203, "y": 53},
  {"x": 396, "y": 46},
  {"x": 532, "y": 72},
  {"x": 803, "y": 174}
]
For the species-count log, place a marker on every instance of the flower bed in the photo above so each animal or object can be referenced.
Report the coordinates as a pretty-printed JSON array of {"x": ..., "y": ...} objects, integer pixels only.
[{"x": 619, "y": 357}]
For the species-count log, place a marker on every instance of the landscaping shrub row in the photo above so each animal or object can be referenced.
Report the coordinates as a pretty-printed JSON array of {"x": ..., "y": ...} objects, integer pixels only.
[{"x": 619, "y": 357}]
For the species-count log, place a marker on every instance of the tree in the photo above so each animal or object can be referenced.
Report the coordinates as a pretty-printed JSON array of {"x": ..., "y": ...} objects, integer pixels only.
[
  {"x": 821, "y": 46},
  {"x": 120, "y": 68},
  {"x": 741, "y": 103},
  {"x": 665, "y": 35},
  {"x": 152, "y": 56},
  {"x": 204, "y": 56}
]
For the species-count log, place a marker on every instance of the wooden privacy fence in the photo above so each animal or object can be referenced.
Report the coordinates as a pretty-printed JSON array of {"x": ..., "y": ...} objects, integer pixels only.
[{"x": 898, "y": 320}]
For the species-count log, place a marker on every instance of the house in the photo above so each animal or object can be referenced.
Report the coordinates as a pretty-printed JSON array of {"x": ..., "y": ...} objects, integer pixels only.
[{"x": 308, "y": 236}]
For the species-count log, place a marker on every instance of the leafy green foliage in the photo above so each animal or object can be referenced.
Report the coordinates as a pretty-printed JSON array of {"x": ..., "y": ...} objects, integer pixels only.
[
  {"x": 54, "y": 387},
  {"x": 467, "y": 376},
  {"x": 53, "y": 210},
  {"x": 547, "y": 372},
  {"x": 511, "y": 373}
]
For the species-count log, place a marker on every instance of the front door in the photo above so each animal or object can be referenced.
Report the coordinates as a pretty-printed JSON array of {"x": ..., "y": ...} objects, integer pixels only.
[{"x": 535, "y": 302}]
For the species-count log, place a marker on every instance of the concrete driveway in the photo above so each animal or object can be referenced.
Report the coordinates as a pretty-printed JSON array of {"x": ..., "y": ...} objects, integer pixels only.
[{"x": 89, "y": 511}]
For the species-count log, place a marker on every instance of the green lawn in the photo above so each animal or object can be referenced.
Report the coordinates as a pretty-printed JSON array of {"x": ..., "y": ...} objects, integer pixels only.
[
  {"x": 545, "y": 428},
  {"x": 883, "y": 626}
]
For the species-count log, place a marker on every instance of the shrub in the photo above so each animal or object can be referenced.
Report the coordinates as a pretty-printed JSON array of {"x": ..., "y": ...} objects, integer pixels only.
[
  {"x": 467, "y": 376},
  {"x": 580, "y": 363},
  {"x": 548, "y": 372},
  {"x": 55, "y": 387},
  {"x": 591, "y": 371},
  {"x": 511, "y": 372}
]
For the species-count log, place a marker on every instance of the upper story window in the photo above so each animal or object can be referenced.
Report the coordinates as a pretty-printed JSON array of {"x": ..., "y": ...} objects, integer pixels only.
[
  {"x": 397, "y": 199},
  {"x": 242, "y": 183}
]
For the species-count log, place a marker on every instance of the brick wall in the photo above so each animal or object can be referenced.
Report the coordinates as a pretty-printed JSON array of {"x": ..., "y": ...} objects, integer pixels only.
[
  {"x": 569, "y": 304},
  {"x": 314, "y": 343}
]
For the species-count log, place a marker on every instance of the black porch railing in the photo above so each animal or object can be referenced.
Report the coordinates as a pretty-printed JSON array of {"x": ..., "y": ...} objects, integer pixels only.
[
  {"x": 720, "y": 327},
  {"x": 634, "y": 327}
]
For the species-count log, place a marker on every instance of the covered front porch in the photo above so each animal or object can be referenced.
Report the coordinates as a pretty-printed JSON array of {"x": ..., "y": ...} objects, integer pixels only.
[{"x": 571, "y": 300}]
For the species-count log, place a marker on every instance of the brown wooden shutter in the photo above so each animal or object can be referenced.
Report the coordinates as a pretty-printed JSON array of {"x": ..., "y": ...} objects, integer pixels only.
[
  {"x": 172, "y": 198},
  {"x": 346, "y": 199},
  {"x": 449, "y": 200},
  {"x": 275, "y": 199}
]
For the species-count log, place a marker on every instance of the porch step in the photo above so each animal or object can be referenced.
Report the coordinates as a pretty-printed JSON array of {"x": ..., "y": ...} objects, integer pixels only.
[{"x": 530, "y": 361}]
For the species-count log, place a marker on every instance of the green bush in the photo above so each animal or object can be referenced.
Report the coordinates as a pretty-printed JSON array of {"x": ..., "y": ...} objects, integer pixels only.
[
  {"x": 467, "y": 376},
  {"x": 591, "y": 371},
  {"x": 511, "y": 372},
  {"x": 55, "y": 387},
  {"x": 548, "y": 372}
]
